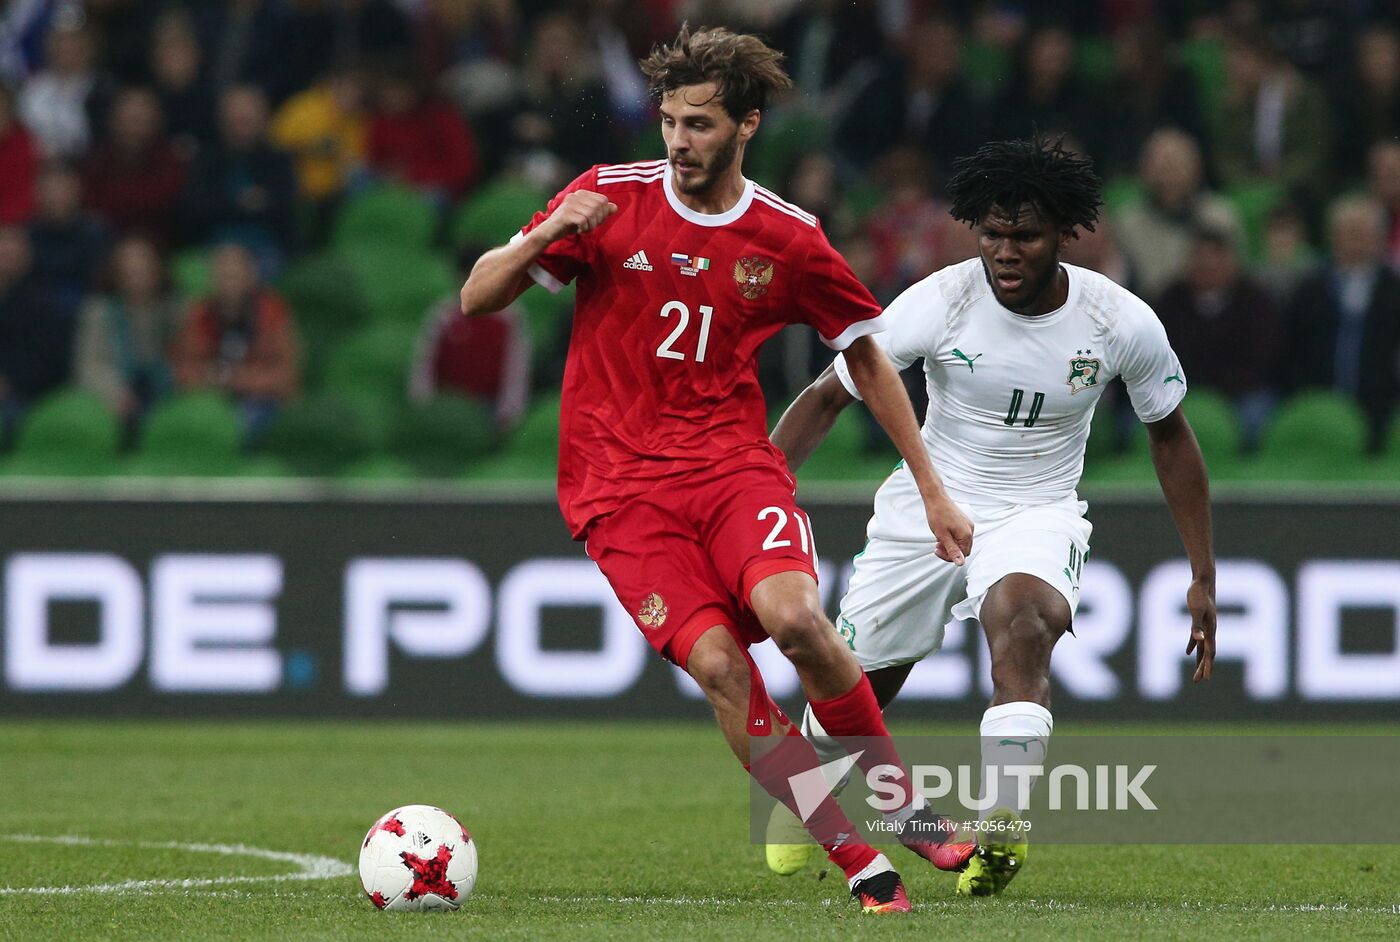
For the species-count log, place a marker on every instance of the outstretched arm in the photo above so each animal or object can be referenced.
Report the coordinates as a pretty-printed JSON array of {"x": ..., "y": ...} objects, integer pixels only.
[
  {"x": 1181, "y": 470},
  {"x": 808, "y": 420},
  {"x": 502, "y": 274},
  {"x": 878, "y": 384}
]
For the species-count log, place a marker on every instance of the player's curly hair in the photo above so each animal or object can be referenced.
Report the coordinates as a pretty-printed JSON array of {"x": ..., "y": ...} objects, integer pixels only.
[
  {"x": 744, "y": 68},
  {"x": 1060, "y": 184}
]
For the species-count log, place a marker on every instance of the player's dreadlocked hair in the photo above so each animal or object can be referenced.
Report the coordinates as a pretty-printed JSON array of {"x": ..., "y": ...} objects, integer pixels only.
[
  {"x": 743, "y": 67},
  {"x": 1061, "y": 185}
]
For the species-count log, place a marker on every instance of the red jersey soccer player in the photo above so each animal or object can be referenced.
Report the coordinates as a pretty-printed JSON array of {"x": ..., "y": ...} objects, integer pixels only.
[{"x": 684, "y": 268}]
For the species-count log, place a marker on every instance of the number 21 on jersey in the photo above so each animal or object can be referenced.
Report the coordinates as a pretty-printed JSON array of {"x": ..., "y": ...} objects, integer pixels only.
[{"x": 667, "y": 350}]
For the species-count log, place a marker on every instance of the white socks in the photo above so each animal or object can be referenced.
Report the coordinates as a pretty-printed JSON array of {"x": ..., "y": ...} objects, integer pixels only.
[
  {"x": 828, "y": 749},
  {"x": 880, "y": 864},
  {"x": 1014, "y": 735}
]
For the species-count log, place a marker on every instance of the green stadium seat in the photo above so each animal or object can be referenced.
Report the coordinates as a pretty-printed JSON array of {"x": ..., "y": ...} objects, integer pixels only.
[
  {"x": 537, "y": 434},
  {"x": 1094, "y": 59},
  {"x": 532, "y": 451},
  {"x": 1217, "y": 427},
  {"x": 986, "y": 65},
  {"x": 319, "y": 436},
  {"x": 400, "y": 286},
  {"x": 1314, "y": 436},
  {"x": 1392, "y": 441},
  {"x": 197, "y": 434},
  {"x": 840, "y": 456},
  {"x": 1212, "y": 418},
  {"x": 324, "y": 288},
  {"x": 642, "y": 144},
  {"x": 775, "y": 152},
  {"x": 441, "y": 437},
  {"x": 324, "y": 294},
  {"x": 1102, "y": 437},
  {"x": 1106, "y": 458},
  {"x": 1253, "y": 202},
  {"x": 191, "y": 271},
  {"x": 1205, "y": 60},
  {"x": 390, "y": 217},
  {"x": 545, "y": 315},
  {"x": 71, "y": 433},
  {"x": 495, "y": 213},
  {"x": 863, "y": 199},
  {"x": 374, "y": 412},
  {"x": 373, "y": 362},
  {"x": 379, "y": 468},
  {"x": 1122, "y": 192},
  {"x": 1132, "y": 467},
  {"x": 1386, "y": 465},
  {"x": 264, "y": 466}
]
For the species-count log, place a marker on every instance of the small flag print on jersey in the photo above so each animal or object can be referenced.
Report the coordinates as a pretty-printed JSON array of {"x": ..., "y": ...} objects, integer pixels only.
[{"x": 690, "y": 264}]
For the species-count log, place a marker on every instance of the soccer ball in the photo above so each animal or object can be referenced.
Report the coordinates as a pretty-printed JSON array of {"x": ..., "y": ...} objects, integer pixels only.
[{"x": 418, "y": 858}]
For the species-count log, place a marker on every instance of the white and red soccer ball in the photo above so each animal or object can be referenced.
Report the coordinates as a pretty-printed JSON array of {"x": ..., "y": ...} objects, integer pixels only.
[{"x": 418, "y": 858}]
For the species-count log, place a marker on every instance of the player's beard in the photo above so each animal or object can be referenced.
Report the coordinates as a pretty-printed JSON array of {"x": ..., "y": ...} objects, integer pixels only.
[
  {"x": 713, "y": 169},
  {"x": 1031, "y": 292}
]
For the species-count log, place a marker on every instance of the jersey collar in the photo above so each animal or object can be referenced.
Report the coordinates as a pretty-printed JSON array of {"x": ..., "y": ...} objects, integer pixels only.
[{"x": 707, "y": 219}]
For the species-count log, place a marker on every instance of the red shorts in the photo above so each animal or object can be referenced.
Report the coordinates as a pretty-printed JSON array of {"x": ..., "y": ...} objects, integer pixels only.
[{"x": 685, "y": 557}]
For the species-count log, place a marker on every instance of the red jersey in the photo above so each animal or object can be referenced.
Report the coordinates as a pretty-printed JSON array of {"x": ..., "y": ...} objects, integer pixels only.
[{"x": 672, "y": 306}]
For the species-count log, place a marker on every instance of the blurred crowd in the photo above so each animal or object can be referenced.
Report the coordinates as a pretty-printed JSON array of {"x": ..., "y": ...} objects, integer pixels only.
[{"x": 165, "y": 165}]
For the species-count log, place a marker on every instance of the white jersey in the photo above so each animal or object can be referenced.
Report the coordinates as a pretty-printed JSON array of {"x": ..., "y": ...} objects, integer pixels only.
[{"x": 1011, "y": 396}]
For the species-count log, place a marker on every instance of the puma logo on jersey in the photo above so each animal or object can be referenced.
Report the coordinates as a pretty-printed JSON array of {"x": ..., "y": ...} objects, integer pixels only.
[
  {"x": 638, "y": 262},
  {"x": 1023, "y": 743},
  {"x": 1175, "y": 376},
  {"x": 966, "y": 359}
]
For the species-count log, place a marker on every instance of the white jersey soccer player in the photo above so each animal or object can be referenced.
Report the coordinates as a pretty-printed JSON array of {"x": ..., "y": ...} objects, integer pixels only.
[
  {"x": 1010, "y": 397},
  {"x": 1017, "y": 348}
]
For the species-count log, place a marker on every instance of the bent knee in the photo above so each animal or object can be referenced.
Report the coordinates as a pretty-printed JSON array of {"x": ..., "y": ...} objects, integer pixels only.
[
  {"x": 1033, "y": 629},
  {"x": 1021, "y": 656},
  {"x": 798, "y": 628}
]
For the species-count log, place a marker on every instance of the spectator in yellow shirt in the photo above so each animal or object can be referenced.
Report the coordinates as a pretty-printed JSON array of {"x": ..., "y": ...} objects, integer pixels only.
[{"x": 324, "y": 128}]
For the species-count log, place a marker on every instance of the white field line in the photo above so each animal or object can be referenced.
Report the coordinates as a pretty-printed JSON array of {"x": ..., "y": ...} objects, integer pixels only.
[
  {"x": 308, "y": 866},
  {"x": 314, "y": 867},
  {"x": 951, "y": 907},
  {"x": 1014, "y": 905}
]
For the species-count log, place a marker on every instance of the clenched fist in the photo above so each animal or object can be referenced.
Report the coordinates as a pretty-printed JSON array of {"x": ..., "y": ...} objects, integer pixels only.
[{"x": 581, "y": 211}]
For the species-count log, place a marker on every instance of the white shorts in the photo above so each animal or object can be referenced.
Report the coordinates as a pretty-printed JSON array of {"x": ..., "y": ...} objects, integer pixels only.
[{"x": 901, "y": 595}]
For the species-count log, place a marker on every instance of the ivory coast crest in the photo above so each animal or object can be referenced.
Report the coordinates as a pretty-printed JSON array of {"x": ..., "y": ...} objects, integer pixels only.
[
  {"x": 752, "y": 274},
  {"x": 1083, "y": 373},
  {"x": 653, "y": 612}
]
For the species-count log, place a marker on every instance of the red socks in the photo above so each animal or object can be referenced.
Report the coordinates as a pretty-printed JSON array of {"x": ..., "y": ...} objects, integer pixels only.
[
  {"x": 856, "y": 713},
  {"x": 828, "y": 824}
]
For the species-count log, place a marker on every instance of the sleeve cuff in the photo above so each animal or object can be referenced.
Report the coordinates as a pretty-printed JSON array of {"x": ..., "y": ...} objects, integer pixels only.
[
  {"x": 536, "y": 271},
  {"x": 871, "y": 325},
  {"x": 843, "y": 373},
  {"x": 1163, "y": 413}
]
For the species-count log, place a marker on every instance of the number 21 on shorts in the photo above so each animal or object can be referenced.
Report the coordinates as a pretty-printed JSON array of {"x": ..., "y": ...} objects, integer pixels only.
[{"x": 780, "y": 536}]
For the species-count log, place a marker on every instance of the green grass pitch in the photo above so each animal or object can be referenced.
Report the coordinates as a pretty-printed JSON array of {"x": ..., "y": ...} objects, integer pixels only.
[{"x": 584, "y": 832}]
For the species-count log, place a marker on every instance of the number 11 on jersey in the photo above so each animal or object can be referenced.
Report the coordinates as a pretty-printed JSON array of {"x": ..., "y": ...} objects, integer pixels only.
[
  {"x": 679, "y": 307},
  {"x": 1013, "y": 412}
]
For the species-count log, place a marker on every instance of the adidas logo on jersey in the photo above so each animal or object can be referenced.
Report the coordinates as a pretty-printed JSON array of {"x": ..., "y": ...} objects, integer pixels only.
[{"x": 638, "y": 262}]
